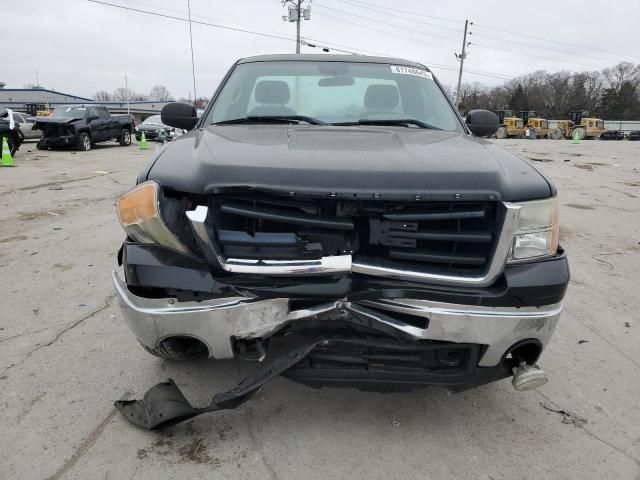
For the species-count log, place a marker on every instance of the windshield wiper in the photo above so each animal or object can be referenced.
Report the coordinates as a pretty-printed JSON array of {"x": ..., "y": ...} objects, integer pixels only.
[
  {"x": 404, "y": 122},
  {"x": 273, "y": 119}
]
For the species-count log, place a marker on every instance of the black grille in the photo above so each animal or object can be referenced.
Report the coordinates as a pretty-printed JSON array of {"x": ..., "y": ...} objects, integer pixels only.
[{"x": 442, "y": 236}]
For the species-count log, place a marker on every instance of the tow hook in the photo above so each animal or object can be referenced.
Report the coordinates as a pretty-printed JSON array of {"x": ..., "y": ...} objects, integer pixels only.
[{"x": 528, "y": 377}]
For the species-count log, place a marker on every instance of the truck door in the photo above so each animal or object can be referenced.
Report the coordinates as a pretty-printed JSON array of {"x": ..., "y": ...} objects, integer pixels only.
[
  {"x": 97, "y": 124},
  {"x": 109, "y": 125}
]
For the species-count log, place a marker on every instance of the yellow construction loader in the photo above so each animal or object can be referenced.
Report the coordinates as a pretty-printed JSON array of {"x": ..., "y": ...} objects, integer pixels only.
[
  {"x": 510, "y": 125},
  {"x": 531, "y": 120},
  {"x": 582, "y": 125}
]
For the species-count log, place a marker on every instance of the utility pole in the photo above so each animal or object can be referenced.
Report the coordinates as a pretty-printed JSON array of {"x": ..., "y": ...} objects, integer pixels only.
[
  {"x": 298, "y": 27},
  {"x": 126, "y": 92},
  {"x": 461, "y": 57},
  {"x": 193, "y": 64},
  {"x": 296, "y": 14}
]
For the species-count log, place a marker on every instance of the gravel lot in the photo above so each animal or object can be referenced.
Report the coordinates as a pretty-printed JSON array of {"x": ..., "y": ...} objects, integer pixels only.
[{"x": 66, "y": 354}]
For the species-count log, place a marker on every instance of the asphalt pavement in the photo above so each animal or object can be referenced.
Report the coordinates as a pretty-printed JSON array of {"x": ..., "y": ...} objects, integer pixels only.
[{"x": 66, "y": 354}]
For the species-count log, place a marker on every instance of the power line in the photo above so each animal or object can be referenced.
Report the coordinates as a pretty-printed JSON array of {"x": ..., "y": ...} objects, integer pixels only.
[
  {"x": 409, "y": 12},
  {"x": 514, "y": 42},
  {"x": 369, "y": 4},
  {"x": 435, "y": 66},
  {"x": 555, "y": 41},
  {"x": 391, "y": 24},
  {"x": 204, "y": 17},
  {"x": 197, "y": 22},
  {"x": 253, "y": 32},
  {"x": 351, "y": 2},
  {"x": 438, "y": 36},
  {"x": 386, "y": 32},
  {"x": 508, "y": 60},
  {"x": 368, "y": 7},
  {"x": 532, "y": 55}
]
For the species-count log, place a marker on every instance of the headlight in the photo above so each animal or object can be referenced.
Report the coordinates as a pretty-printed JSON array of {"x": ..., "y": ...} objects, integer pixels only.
[
  {"x": 139, "y": 215},
  {"x": 537, "y": 232}
]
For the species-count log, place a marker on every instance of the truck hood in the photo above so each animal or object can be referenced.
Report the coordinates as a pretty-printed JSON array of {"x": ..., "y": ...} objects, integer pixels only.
[
  {"x": 348, "y": 162},
  {"x": 55, "y": 121}
]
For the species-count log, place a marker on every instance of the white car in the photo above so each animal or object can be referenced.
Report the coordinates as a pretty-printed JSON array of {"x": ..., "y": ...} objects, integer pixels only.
[{"x": 26, "y": 125}]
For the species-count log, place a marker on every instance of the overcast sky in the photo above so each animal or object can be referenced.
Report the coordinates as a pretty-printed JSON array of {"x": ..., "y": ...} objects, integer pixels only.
[{"x": 80, "y": 47}]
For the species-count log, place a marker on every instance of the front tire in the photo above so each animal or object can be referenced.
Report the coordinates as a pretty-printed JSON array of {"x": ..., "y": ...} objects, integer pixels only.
[
  {"x": 125, "y": 137},
  {"x": 502, "y": 133},
  {"x": 556, "y": 134},
  {"x": 84, "y": 142}
]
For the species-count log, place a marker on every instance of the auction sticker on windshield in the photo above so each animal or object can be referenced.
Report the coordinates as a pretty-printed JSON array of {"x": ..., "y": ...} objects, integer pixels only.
[{"x": 418, "y": 72}]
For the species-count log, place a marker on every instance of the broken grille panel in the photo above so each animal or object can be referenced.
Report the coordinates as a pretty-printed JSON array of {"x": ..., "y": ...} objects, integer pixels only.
[{"x": 443, "y": 236}]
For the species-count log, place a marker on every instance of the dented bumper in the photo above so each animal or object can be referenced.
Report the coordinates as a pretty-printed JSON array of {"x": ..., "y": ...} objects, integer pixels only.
[{"x": 218, "y": 322}]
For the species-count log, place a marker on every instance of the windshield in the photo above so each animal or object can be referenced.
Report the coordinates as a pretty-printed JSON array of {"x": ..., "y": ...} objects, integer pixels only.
[
  {"x": 154, "y": 119},
  {"x": 69, "y": 112},
  {"x": 333, "y": 93}
]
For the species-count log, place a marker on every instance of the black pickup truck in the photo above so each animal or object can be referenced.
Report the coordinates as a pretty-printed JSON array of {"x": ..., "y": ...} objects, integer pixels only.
[
  {"x": 334, "y": 218},
  {"x": 82, "y": 126}
]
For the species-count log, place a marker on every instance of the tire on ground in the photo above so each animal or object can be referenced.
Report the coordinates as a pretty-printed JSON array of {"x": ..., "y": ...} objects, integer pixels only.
[
  {"x": 501, "y": 133},
  {"x": 84, "y": 142},
  {"x": 125, "y": 137},
  {"x": 582, "y": 133}
]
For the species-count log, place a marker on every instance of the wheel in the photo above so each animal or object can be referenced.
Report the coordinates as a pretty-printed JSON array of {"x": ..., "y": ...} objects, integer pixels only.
[
  {"x": 125, "y": 137},
  {"x": 84, "y": 142},
  {"x": 582, "y": 133},
  {"x": 502, "y": 133},
  {"x": 555, "y": 134}
]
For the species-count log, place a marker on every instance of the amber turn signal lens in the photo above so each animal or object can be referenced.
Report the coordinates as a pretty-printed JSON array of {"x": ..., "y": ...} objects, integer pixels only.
[
  {"x": 138, "y": 205},
  {"x": 139, "y": 215}
]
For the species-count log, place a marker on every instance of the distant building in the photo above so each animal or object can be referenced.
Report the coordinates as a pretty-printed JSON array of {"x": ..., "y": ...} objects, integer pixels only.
[
  {"x": 30, "y": 100},
  {"x": 23, "y": 99}
]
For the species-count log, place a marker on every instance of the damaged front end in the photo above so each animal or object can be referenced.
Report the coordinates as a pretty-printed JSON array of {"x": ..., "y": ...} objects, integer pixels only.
[{"x": 331, "y": 290}]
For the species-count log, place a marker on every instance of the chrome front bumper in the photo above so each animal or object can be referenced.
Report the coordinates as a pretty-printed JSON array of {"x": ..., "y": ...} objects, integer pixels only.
[{"x": 216, "y": 322}]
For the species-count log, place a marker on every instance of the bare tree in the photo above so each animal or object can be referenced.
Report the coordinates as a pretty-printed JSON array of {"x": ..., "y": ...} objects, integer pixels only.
[
  {"x": 102, "y": 96},
  {"x": 159, "y": 93},
  {"x": 621, "y": 73},
  {"x": 122, "y": 94}
]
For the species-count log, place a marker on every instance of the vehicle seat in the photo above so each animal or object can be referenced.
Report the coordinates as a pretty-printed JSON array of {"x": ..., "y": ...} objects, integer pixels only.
[
  {"x": 381, "y": 101},
  {"x": 273, "y": 95}
]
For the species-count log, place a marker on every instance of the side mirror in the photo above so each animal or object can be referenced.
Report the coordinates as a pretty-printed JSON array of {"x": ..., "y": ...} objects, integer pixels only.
[
  {"x": 482, "y": 123},
  {"x": 179, "y": 115}
]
